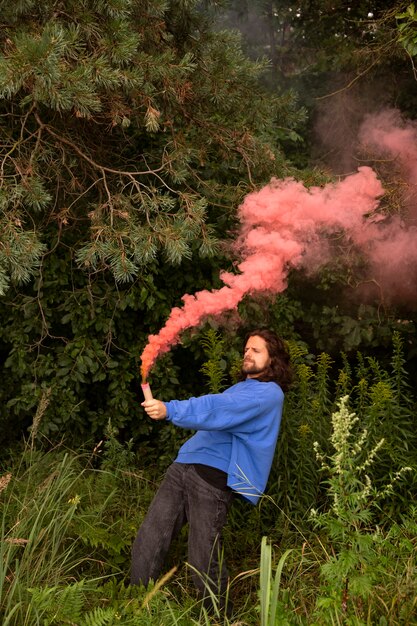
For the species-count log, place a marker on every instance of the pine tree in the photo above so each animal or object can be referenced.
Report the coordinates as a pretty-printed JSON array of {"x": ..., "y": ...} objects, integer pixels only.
[{"x": 123, "y": 122}]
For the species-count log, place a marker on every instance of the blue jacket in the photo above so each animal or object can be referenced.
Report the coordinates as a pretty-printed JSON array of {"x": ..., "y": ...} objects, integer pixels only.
[{"x": 237, "y": 432}]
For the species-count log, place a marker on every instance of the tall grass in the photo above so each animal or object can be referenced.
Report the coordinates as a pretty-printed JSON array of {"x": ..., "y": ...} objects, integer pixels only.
[
  {"x": 55, "y": 571},
  {"x": 66, "y": 532},
  {"x": 37, "y": 512},
  {"x": 269, "y": 584}
]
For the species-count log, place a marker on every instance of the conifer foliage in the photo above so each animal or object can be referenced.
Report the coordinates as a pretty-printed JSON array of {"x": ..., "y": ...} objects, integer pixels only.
[{"x": 121, "y": 120}]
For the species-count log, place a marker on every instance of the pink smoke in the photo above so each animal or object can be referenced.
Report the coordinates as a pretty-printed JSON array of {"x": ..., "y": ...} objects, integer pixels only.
[
  {"x": 279, "y": 224},
  {"x": 285, "y": 225},
  {"x": 393, "y": 254},
  {"x": 388, "y": 135}
]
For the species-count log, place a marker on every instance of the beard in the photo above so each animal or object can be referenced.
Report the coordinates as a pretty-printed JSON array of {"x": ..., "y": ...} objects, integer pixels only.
[{"x": 251, "y": 369}]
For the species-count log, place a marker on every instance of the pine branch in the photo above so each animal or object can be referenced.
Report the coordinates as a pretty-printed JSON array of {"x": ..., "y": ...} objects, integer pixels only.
[{"x": 102, "y": 168}]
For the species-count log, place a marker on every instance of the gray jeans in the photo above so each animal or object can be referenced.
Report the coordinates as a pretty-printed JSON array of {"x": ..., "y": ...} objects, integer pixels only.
[{"x": 185, "y": 497}]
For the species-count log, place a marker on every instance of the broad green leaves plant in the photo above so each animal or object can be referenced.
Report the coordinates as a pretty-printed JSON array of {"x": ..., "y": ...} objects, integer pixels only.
[{"x": 407, "y": 29}]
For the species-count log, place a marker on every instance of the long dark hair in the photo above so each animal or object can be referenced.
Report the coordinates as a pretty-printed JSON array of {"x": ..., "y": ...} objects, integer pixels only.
[{"x": 279, "y": 369}]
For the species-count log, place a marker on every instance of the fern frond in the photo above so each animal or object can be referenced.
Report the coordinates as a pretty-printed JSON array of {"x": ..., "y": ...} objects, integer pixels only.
[
  {"x": 59, "y": 604},
  {"x": 99, "y": 616}
]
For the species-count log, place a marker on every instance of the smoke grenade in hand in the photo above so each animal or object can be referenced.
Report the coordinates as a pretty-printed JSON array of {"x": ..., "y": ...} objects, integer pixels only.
[{"x": 147, "y": 393}]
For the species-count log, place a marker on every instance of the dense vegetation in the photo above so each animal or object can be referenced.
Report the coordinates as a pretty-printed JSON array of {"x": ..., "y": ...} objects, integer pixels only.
[
  {"x": 338, "y": 512},
  {"x": 131, "y": 131}
]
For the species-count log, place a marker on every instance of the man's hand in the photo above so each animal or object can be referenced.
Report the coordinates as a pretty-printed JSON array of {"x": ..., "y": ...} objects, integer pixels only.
[{"x": 155, "y": 409}]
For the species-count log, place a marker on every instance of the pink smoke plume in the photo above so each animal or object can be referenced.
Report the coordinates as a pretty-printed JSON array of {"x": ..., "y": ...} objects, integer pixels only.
[
  {"x": 285, "y": 225},
  {"x": 393, "y": 254},
  {"x": 279, "y": 224},
  {"x": 387, "y": 134}
]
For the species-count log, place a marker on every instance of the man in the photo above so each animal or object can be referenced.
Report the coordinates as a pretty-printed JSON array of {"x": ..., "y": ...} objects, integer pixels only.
[{"x": 231, "y": 453}]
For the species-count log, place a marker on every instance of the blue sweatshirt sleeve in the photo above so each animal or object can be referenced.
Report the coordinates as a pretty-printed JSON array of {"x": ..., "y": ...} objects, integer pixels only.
[{"x": 231, "y": 410}]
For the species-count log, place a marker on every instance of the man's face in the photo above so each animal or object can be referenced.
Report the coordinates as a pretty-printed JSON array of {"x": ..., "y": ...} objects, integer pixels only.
[{"x": 255, "y": 357}]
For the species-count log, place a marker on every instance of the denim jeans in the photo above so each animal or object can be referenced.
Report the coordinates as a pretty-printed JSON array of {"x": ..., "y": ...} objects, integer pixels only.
[{"x": 185, "y": 497}]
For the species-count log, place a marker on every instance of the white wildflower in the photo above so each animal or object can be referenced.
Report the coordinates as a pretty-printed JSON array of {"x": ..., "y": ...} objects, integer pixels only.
[{"x": 370, "y": 459}]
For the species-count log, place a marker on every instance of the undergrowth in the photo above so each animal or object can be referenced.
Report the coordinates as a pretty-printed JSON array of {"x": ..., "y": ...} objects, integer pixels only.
[{"x": 332, "y": 542}]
